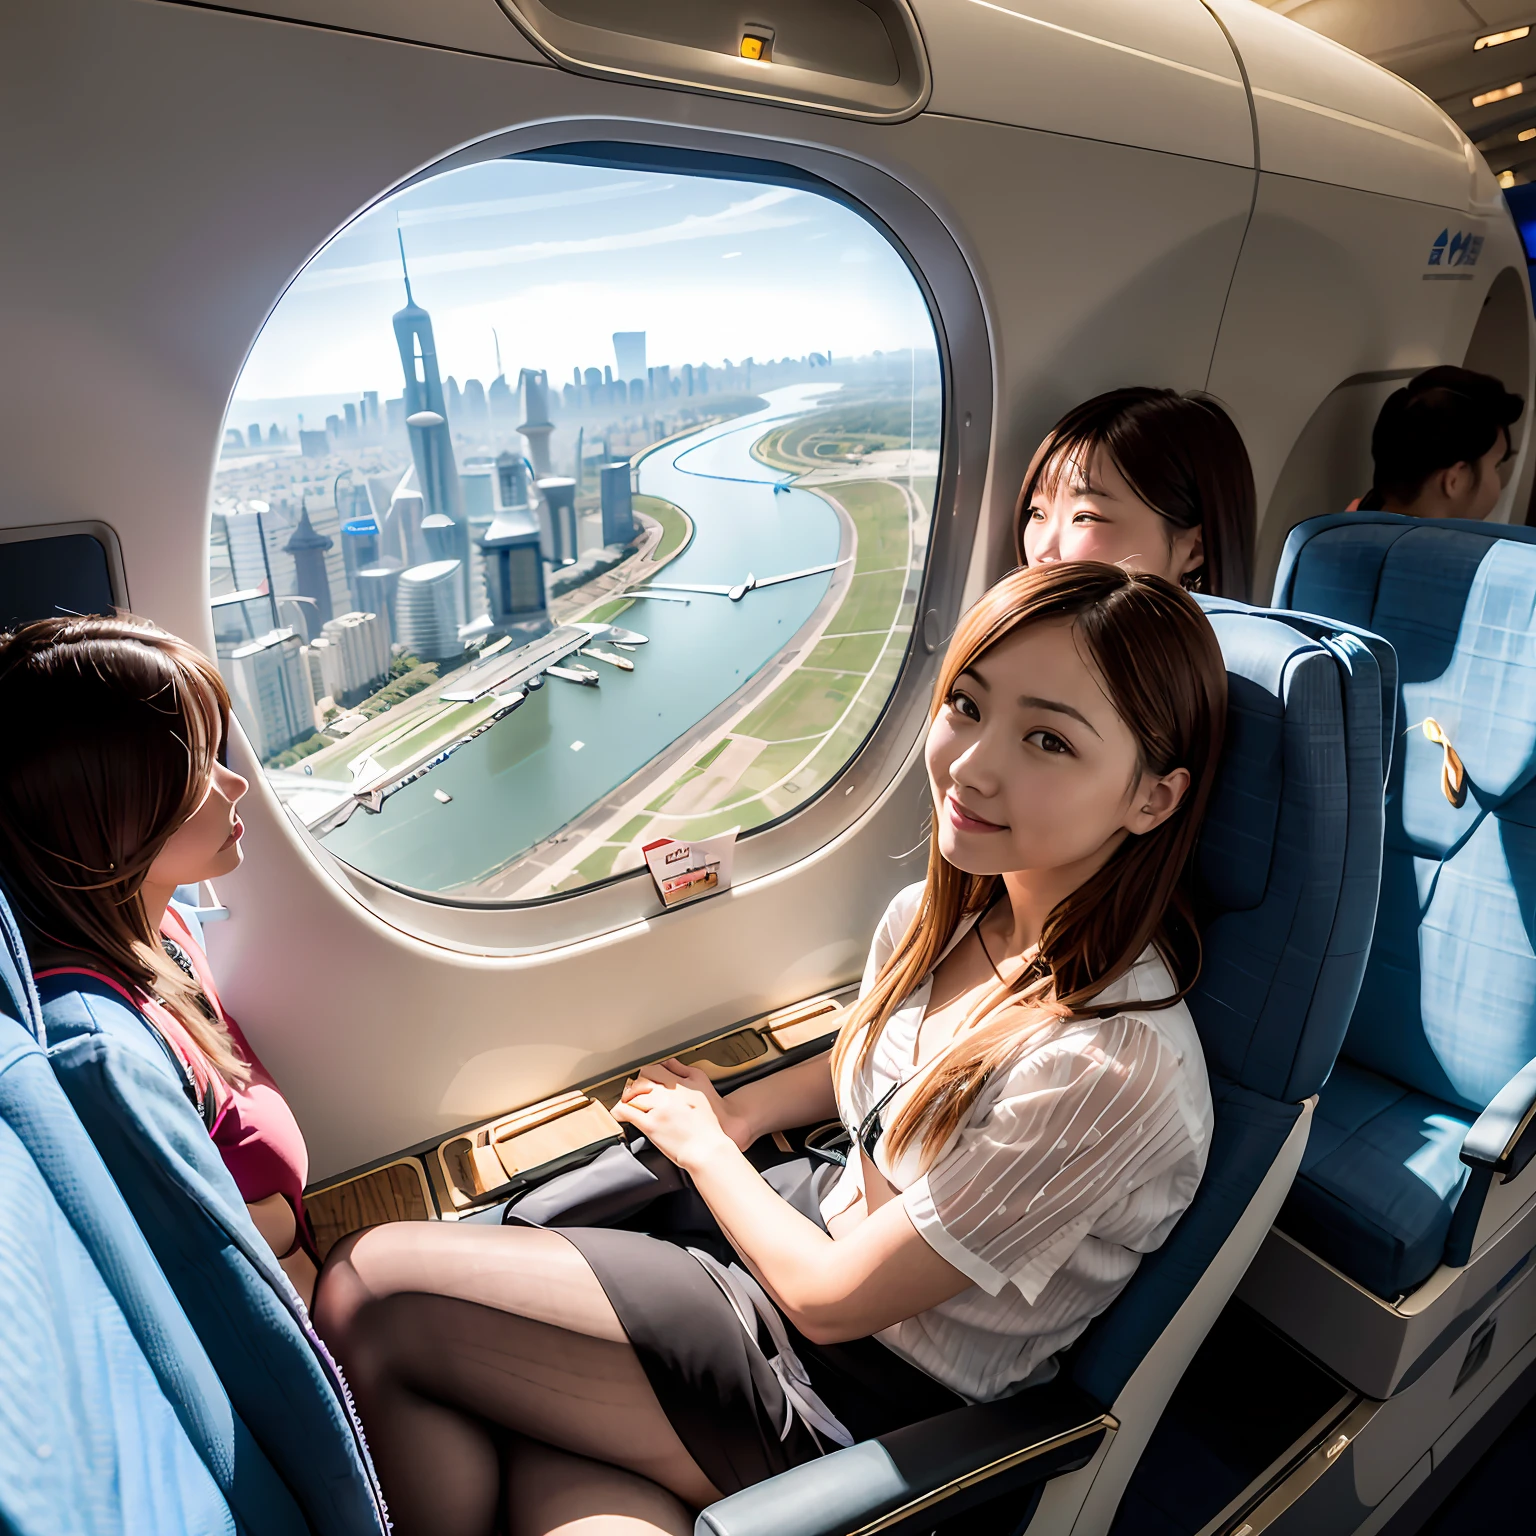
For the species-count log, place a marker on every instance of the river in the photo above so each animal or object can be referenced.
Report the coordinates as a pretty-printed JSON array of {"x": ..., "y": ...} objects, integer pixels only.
[{"x": 569, "y": 746}]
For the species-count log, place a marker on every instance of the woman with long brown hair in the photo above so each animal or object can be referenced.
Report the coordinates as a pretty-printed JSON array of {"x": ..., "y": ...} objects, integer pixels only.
[
  {"x": 1025, "y": 1106},
  {"x": 114, "y": 793},
  {"x": 1145, "y": 478}
]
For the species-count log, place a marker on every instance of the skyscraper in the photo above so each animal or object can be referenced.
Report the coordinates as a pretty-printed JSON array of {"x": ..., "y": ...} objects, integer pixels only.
[
  {"x": 269, "y": 687},
  {"x": 377, "y": 589},
  {"x": 629, "y": 354},
  {"x": 500, "y": 405},
  {"x": 426, "y": 417},
  {"x": 475, "y": 417},
  {"x": 402, "y": 537},
  {"x": 354, "y": 656},
  {"x": 559, "y": 495},
  {"x": 618, "y": 511},
  {"x": 536, "y": 426},
  {"x": 514, "y": 569},
  {"x": 428, "y": 612},
  {"x": 308, "y": 549},
  {"x": 440, "y": 535}
]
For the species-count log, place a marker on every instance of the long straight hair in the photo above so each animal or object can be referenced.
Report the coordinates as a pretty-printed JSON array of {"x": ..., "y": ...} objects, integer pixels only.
[
  {"x": 1182, "y": 455},
  {"x": 1158, "y": 661},
  {"x": 113, "y": 730}
]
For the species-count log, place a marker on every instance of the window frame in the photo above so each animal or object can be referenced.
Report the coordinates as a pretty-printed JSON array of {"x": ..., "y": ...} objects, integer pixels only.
[
  {"x": 508, "y": 927},
  {"x": 93, "y": 528}
]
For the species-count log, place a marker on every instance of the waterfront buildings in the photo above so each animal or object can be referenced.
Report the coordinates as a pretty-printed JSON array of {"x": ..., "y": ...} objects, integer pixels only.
[
  {"x": 377, "y": 589},
  {"x": 618, "y": 511},
  {"x": 559, "y": 495},
  {"x": 428, "y": 610},
  {"x": 269, "y": 685},
  {"x": 353, "y": 653}
]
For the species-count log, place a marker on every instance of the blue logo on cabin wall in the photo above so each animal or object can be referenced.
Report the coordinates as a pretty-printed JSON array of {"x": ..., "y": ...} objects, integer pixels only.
[{"x": 1459, "y": 250}]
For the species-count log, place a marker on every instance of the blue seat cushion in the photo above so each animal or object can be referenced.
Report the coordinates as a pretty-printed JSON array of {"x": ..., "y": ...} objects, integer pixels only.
[{"x": 1379, "y": 1180}]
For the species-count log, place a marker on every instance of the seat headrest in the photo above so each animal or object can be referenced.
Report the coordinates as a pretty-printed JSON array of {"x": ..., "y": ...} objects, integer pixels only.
[{"x": 1290, "y": 855}]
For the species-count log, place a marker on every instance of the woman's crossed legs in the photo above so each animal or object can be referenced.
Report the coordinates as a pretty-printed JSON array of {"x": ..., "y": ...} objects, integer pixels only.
[{"x": 453, "y": 1335}]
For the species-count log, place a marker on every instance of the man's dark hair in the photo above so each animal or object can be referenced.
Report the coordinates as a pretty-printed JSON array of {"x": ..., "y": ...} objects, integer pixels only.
[{"x": 1442, "y": 417}]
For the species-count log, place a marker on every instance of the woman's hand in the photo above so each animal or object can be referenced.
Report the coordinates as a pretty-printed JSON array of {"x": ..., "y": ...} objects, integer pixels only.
[{"x": 678, "y": 1111}]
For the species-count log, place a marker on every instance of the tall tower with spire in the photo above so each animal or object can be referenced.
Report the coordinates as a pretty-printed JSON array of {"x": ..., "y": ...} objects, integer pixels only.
[
  {"x": 426, "y": 414},
  {"x": 536, "y": 426},
  {"x": 308, "y": 549}
]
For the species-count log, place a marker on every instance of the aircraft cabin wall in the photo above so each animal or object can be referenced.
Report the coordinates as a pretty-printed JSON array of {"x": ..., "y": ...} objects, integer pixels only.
[{"x": 169, "y": 168}]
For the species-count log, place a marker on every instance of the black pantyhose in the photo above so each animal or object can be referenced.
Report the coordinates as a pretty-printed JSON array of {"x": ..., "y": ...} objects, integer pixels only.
[{"x": 452, "y": 1337}]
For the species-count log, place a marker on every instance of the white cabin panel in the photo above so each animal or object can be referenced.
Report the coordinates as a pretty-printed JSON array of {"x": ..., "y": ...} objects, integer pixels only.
[
  {"x": 1158, "y": 74},
  {"x": 1326, "y": 114}
]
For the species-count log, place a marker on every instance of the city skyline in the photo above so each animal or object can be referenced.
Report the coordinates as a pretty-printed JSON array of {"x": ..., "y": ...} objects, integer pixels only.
[{"x": 555, "y": 258}]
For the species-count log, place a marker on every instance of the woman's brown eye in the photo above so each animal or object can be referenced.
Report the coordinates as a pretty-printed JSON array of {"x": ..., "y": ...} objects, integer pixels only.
[{"x": 963, "y": 704}]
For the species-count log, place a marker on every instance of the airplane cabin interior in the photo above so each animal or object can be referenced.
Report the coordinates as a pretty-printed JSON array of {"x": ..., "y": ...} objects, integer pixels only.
[{"x": 574, "y": 433}]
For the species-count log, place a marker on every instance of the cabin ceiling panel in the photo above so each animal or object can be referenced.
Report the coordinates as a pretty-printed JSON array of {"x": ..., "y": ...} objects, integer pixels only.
[
  {"x": 1158, "y": 74},
  {"x": 475, "y": 26},
  {"x": 1325, "y": 114}
]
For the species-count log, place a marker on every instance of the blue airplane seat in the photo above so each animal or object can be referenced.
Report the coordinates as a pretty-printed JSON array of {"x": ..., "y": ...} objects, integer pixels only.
[
  {"x": 279, "y": 1378},
  {"x": 1439, "y": 1056},
  {"x": 112, "y": 1421},
  {"x": 1287, "y": 873}
]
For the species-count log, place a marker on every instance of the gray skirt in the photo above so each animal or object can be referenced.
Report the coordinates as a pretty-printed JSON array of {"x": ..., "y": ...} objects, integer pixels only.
[{"x": 713, "y": 1378}]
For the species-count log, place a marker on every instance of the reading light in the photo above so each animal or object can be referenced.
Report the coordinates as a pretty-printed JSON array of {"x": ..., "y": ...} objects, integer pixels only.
[
  {"x": 1493, "y": 39},
  {"x": 1503, "y": 93},
  {"x": 1526, "y": 135}
]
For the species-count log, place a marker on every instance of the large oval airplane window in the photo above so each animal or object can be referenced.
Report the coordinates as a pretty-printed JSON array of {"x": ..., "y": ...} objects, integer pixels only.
[{"x": 561, "y": 508}]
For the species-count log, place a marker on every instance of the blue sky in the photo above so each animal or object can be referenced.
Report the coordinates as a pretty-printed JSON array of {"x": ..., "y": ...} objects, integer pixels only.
[{"x": 556, "y": 258}]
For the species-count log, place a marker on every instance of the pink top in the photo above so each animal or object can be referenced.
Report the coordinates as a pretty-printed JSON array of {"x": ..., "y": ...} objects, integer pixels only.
[{"x": 254, "y": 1129}]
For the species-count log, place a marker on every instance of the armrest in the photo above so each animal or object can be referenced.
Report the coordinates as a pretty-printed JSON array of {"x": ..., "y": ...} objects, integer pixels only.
[
  {"x": 1503, "y": 1138},
  {"x": 906, "y": 1480}
]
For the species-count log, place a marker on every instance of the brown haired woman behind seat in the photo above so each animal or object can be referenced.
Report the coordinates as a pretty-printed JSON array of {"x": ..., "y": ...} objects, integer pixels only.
[
  {"x": 1024, "y": 1098},
  {"x": 1148, "y": 479},
  {"x": 113, "y": 793}
]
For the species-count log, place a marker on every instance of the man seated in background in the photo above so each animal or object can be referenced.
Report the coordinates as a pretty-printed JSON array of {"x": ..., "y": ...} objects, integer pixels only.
[{"x": 1439, "y": 445}]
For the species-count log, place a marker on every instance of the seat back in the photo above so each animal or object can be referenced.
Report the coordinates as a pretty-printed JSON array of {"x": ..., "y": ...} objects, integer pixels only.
[
  {"x": 1287, "y": 870},
  {"x": 112, "y": 1419},
  {"x": 276, "y": 1371},
  {"x": 1448, "y": 1006}
]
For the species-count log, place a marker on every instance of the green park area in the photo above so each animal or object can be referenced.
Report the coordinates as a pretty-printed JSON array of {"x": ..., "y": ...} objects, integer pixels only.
[
  {"x": 849, "y": 429},
  {"x": 676, "y": 529},
  {"x": 817, "y": 716}
]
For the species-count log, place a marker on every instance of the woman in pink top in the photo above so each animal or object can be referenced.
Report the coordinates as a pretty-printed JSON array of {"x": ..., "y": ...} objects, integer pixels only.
[{"x": 117, "y": 797}]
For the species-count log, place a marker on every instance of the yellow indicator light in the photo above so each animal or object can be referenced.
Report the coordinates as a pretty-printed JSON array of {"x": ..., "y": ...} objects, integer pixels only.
[
  {"x": 1503, "y": 93},
  {"x": 1506, "y": 178},
  {"x": 1493, "y": 39},
  {"x": 1526, "y": 135},
  {"x": 751, "y": 47}
]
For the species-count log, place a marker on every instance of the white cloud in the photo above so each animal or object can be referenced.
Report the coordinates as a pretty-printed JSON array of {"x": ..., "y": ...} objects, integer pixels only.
[
  {"x": 738, "y": 218},
  {"x": 485, "y": 208}
]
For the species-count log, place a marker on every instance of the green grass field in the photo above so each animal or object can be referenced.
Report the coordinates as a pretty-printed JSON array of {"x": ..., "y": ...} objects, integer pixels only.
[
  {"x": 879, "y": 512},
  {"x": 870, "y": 604},
  {"x": 676, "y": 530},
  {"x": 804, "y": 704}
]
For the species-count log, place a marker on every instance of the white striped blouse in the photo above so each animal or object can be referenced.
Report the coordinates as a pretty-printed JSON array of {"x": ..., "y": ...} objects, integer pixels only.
[{"x": 1071, "y": 1165}]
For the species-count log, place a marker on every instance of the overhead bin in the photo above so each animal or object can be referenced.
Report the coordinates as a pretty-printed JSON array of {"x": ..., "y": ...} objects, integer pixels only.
[{"x": 845, "y": 56}]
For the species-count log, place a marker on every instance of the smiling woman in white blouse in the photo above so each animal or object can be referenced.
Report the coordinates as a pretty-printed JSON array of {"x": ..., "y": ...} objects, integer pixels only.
[{"x": 1024, "y": 1113}]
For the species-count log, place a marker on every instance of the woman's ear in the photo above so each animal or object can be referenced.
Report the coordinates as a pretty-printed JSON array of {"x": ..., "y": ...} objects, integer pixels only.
[
  {"x": 1189, "y": 549},
  {"x": 1155, "y": 800}
]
